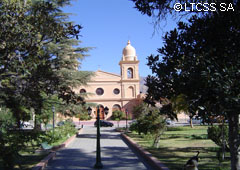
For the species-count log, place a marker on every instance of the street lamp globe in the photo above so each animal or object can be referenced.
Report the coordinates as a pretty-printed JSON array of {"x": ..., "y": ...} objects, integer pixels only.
[
  {"x": 106, "y": 109},
  {"x": 89, "y": 109}
]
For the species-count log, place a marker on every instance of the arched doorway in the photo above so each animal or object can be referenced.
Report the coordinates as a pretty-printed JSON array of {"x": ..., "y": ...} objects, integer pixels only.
[
  {"x": 101, "y": 112},
  {"x": 116, "y": 107}
]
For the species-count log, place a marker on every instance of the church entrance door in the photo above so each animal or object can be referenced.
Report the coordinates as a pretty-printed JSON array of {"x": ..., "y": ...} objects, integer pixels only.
[{"x": 101, "y": 112}]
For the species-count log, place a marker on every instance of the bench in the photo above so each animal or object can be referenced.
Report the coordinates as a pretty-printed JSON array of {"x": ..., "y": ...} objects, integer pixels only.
[{"x": 46, "y": 146}]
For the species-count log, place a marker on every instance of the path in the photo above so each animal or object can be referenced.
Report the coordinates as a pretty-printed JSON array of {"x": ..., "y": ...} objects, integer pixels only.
[{"x": 81, "y": 153}]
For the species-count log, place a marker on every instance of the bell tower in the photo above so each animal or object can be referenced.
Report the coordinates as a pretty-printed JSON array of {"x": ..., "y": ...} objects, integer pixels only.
[{"x": 130, "y": 81}]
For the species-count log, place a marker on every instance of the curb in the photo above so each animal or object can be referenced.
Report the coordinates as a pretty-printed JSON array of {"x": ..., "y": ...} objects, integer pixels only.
[
  {"x": 43, "y": 163},
  {"x": 151, "y": 160}
]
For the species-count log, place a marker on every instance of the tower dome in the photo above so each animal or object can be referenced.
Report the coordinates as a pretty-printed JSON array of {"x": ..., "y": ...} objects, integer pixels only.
[{"x": 129, "y": 52}]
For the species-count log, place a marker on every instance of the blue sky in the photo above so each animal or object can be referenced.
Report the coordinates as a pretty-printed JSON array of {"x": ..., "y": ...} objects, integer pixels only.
[{"x": 107, "y": 26}]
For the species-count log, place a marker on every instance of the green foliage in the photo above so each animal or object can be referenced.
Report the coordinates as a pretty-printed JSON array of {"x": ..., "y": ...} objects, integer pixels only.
[
  {"x": 140, "y": 110},
  {"x": 147, "y": 118},
  {"x": 162, "y": 10},
  {"x": 38, "y": 55},
  {"x": 13, "y": 140},
  {"x": 62, "y": 132},
  {"x": 215, "y": 133},
  {"x": 46, "y": 111},
  {"x": 167, "y": 110},
  {"x": 150, "y": 122},
  {"x": 200, "y": 60},
  {"x": 134, "y": 127},
  {"x": 175, "y": 128},
  {"x": 129, "y": 117},
  {"x": 39, "y": 59},
  {"x": 180, "y": 103},
  {"x": 83, "y": 113},
  {"x": 6, "y": 118},
  {"x": 197, "y": 136},
  {"x": 222, "y": 168},
  {"x": 176, "y": 147},
  {"x": 117, "y": 115},
  {"x": 84, "y": 116}
]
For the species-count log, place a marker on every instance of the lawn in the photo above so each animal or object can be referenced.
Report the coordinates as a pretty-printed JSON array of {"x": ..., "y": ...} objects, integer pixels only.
[{"x": 178, "y": 144}]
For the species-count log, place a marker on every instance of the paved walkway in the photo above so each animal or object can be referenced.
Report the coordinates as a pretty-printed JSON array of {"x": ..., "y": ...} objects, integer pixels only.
[{"x": 81, "y": 153}]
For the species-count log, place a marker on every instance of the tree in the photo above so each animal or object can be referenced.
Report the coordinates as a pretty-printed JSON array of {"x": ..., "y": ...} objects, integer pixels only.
[
  {"x": 198, "y": 68},
  {"x": 201, "y": 71},
  {"x": 149, "y": 121},
  {"x": 161, "y": 9},
  {"x": 39, "y": 58},
  {"x": 70, "y": 77},
  {"x": 202, "y": 56},
  {"x": 83, "y": 115},
  {"x": 38, "y": 55},
  {"x": 180, "y": 104},
  {"x": 140, "y": 110},
  {"x": 117, "y": 115}
]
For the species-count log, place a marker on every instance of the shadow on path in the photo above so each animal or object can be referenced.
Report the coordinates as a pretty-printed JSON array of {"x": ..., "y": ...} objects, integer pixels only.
[
  {"x": 103, "y": 136},
  {"x": 67, "y": 159},
  {"x": 121, "y": 156},
  {"x": 81, "y": 153}
]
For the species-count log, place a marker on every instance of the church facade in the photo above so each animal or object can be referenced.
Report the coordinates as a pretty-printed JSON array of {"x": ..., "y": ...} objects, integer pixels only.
[{"x": 114, "y": 91}]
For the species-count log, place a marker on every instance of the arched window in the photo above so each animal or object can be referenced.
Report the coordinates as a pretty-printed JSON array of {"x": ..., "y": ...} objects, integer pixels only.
[
  {"x": 82, "y": 91},
  {"x": 130, "y": 91},
  {"x": 116, "y": 107},
  {"x": 130, "y": 73}
]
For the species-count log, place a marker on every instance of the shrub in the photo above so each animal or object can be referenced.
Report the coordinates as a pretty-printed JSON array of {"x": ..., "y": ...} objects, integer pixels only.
[
  {"x": 215, "y": 134},
  {"x": 140, "y": 110},
  {"x": 11, "y": 141},
  {"x": 84, "y": 116},
  {"x": 150, "y": 123},
  {"x": 175, "y": 128},
  {"x": 134, "y": 127},
  {"x": 203, "y": 136},
  {"x": 60, "y": 133},
  {"x": 117, "y": 115}
]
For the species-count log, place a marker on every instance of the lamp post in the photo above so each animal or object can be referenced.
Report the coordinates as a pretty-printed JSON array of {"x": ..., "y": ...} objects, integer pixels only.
[
  {"x": 53, "y": 110},
  {"x": 126, "y": 111},
  {"x": 98, "y": 164},
  {"x": 89, "y": 110},
  {"x": 98, "y": 153}
]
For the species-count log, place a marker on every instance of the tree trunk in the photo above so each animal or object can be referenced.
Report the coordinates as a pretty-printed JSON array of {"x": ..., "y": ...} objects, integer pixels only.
[
  {"x": 234, "y": 141},
  {"x": 223, "y": 142},
  {"x": 191, "y": 124},
  {"x": 156, "y": 141},
  {"x": 37, "y": 125}
]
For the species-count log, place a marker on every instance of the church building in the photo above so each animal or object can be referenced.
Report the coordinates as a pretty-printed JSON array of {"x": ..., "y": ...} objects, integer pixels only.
[{"x": 115, "y": 91}]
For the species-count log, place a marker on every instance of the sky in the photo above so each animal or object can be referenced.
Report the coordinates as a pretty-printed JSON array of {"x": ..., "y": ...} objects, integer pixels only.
[{"x": 107, "y": 26}]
